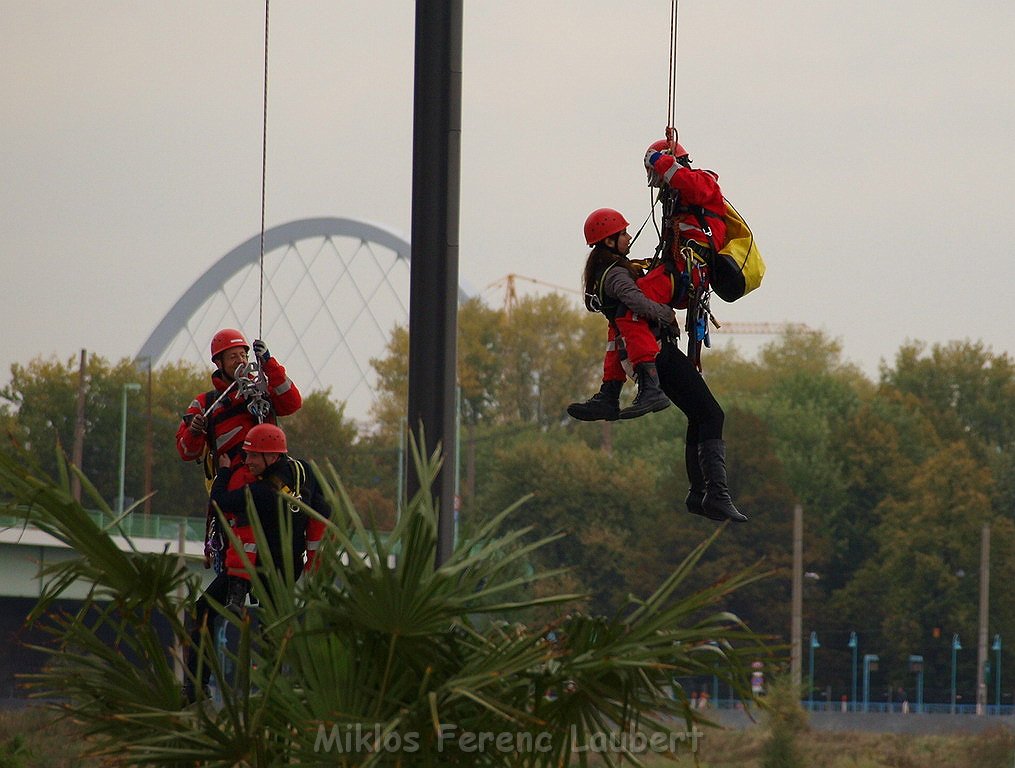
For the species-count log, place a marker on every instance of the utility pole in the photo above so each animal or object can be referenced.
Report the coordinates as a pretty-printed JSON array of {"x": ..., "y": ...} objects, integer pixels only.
[
  {"x": 148, "y": 450},
  {"x": 796, "y": 641},
  {"x": 433, "y": 270},
  {"x": 981, "y": 641},
  {"x": 78, "y": 450}
]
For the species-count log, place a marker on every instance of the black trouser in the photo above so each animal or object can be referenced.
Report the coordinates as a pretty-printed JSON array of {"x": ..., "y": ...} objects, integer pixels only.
[
  {"x": 218, "y": 590},
  {"x": 683, "y": 384}
]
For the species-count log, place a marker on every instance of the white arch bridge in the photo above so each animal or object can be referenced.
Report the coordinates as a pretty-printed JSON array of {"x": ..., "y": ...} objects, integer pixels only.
[{"x": 333, "y": 290}]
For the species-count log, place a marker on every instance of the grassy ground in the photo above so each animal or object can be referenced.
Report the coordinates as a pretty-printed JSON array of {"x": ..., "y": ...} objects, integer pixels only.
[
  {"x": 745, "y": 749},
  {"x": 30, "y": 738},
  {"x": 34, "y": 738}
]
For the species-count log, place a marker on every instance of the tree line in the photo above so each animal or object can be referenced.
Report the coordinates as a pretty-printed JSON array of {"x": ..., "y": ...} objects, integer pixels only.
[{"x": 896, "y": 475}]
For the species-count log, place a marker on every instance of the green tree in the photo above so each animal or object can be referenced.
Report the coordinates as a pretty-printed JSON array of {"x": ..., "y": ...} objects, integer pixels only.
[
  {"x": 967, "y": 389},
  {"x": 42, "y": 399},
  {"x": 924, "y": 572},
  {"x": 591, "y": 497}
]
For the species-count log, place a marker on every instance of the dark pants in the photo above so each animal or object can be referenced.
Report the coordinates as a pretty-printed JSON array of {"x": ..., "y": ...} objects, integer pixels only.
[
  {"x": 683, "y": 384},
  {"x": 218, "y": 590}
]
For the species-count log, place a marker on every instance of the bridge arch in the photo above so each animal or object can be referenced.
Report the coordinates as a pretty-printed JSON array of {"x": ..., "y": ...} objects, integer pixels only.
[{"x": 333, "y": 290}]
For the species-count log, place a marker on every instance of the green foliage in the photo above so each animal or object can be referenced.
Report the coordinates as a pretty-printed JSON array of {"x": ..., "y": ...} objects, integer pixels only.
[
  {"x": 785, "y": 721},
  {"x": 895, "y": 477},
  {"x": 963, "y": 382},
  {"x": 41, "y": 401},
  {"x": 14, "y": 753},
  {"x": 377, "y": 640}
]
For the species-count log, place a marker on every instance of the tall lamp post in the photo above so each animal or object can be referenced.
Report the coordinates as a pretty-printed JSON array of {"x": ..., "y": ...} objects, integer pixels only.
[
  {"x": 956, "y": 647},
  {"x": 916, "y": 665},
  {"x": 870, "y": 664},
  {"x": 996, "y": 648},
  {"x": 810, "y": 687},
  {"x": 853, "y": 645},
  {"x": 130, "y": 386}
]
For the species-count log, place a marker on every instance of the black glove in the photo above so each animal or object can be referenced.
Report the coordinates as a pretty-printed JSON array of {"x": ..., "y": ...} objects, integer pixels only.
[
  {"x": 198, "y": 423},
  {"x": 261, "y": 351}
]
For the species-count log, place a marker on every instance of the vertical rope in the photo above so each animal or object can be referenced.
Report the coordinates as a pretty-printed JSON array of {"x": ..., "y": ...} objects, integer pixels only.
[
  {"x": 264, "y": 174},
  {"x": 671, "y": 104}
]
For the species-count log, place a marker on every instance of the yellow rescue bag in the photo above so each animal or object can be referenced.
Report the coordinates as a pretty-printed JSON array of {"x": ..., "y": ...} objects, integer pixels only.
[{"x": 738, "y": 267}]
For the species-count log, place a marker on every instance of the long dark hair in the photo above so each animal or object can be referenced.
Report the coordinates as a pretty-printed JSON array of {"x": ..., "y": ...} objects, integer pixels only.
[{"x": 601, "y": 257}]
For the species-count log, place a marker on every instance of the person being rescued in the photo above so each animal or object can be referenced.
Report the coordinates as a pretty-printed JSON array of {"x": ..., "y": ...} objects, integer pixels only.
[
  {"x": 273, "y": 473},
  {"x": 647, "y": 327}
]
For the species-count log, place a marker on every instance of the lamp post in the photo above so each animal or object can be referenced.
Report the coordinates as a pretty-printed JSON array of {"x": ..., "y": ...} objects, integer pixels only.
[
  {"x": 916, "y": 665},
  {"x": 810, "y": 687},
  {"x": 996, "y": 648},
  {"x": 853, "y": 645},
  {"x": 130, "y": 386},
  {"x": 956, "y": 647},
  {"x": 870, "y": 663}
]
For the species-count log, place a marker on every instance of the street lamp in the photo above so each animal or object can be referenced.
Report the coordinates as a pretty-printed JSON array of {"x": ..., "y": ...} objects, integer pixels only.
[
  {"x": 870, "y": 664},
  {"x": 996, "y": 648},
  {"x": 956, "y": 647},
  {"x": 853, "y": 645},
  {"x": 810, "y": 694},
  {"x": 130, "y": 386},
  {"x": 916, "y": 665}
]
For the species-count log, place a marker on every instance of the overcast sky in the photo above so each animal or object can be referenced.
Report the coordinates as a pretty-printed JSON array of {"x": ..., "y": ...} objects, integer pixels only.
[{"x": 869, "y": 144}]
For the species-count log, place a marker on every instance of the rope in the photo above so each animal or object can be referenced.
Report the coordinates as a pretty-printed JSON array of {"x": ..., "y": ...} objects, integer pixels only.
[
  {"x": 264, "y": 174},
  {"x": 671, "y": 104}
]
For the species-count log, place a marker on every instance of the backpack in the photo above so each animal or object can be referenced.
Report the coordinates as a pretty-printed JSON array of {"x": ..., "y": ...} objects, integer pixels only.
[{"x": 738, "y": 267}]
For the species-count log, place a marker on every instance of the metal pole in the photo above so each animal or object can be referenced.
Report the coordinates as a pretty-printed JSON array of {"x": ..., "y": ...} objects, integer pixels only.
[
  {"x": 148, "y": 453},
  {"x": 956, "y": 647},
  {"x": 810, "y": 685},
  {"x": 866, "y": 680},
  {"x": 401, "y": 469},
  {"x": 123, "y": 444},
  {"x": 78, "y": 449},
  {"x": 458, "y": 463},
  {"x": 797, "y": 597},
  {"x": 996, "y": 647},
  {"x": 919, "y": 691},
  {"x": 433, "y": 290},
  {"x": 853, "y": 645},
  {"x": 981, "y": 640}
]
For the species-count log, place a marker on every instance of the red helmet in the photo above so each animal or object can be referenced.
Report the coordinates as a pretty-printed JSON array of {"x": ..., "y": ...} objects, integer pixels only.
[
  {"x": 602, "y": 223},
  {"x": 663, "y": 145},
  {"x": 265, "y": 438},
  {"x": 225, "y": 339}
]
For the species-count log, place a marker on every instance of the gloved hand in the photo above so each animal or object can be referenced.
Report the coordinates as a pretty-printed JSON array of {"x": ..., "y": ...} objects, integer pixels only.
[
  {"x": 198, "y": 424},
  {"x": 662, "y": 162},
  {"x": 261, "y": 351}
]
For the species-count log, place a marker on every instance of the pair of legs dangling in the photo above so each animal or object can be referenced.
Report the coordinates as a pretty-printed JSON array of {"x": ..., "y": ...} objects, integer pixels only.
[{"x": 704, "y": 449}]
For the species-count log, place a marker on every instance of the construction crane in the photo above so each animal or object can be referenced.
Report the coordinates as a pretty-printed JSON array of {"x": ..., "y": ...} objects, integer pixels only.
[{"x": 511, "y": 295}]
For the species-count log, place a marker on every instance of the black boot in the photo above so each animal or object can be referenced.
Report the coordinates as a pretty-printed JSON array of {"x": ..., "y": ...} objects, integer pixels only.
[
  {"x": 650, "y": 397},
  {"x": 604, "y": 405},
  {"x": 236, "y": 599},
  {"x": 696, "y": 493},
  {"x": 717, "y": 501}
]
